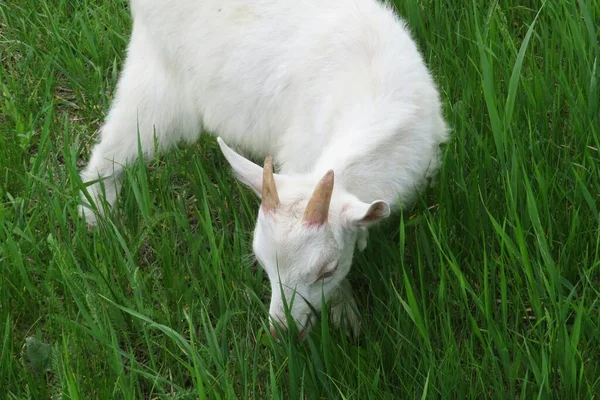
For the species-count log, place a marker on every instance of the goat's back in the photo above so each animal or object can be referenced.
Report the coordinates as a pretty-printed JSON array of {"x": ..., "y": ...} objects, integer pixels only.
[{"x": 299, "y": 78}]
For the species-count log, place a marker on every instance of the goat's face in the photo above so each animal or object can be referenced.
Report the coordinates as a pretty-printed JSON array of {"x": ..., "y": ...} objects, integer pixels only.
[{"x": 304, "y": 237}]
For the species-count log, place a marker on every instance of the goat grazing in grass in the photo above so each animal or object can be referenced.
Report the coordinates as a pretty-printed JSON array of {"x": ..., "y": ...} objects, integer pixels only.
[{"x": 335, "y": 91}]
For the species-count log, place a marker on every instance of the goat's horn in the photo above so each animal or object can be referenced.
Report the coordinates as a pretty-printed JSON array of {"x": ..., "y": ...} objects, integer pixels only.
[
  {"x": 317, "y": 210},
  {"x": 270, "y": 198}
]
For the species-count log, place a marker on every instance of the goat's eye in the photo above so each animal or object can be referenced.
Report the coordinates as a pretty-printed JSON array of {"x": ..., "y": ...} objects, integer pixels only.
[{"x": 328, "y": 273}]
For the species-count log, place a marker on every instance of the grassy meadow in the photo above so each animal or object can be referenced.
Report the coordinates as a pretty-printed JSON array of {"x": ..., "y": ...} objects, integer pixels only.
[{"x": 488, "y": 287}]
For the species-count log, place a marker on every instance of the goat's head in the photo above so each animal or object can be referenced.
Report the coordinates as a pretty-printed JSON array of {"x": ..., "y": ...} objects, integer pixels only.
[{"x": 304, "y": 237}]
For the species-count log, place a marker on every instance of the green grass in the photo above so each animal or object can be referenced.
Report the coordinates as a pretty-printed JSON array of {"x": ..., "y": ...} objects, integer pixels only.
[{"x": 488, "y": 287}]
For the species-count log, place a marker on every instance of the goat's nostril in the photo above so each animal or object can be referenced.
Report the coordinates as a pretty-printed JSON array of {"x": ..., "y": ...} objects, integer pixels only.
[{"x": 273, "y": 332}]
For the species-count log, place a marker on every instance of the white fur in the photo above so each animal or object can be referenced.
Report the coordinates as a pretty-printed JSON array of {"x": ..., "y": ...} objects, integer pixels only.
[{"x": 318, "y": 84}]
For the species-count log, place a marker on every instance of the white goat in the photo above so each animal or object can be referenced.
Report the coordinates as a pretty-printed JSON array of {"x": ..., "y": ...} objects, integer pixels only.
[{"x": 322, "y": 86}]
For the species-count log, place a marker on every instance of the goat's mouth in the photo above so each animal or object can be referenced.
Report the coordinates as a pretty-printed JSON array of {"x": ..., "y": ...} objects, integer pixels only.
[
  {"x": 308, "y": 324},
  {"x": 304, "y": 325}
]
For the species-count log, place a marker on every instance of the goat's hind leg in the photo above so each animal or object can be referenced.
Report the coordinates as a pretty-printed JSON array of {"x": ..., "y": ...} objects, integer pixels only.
[{"x": 150, "y": 102}]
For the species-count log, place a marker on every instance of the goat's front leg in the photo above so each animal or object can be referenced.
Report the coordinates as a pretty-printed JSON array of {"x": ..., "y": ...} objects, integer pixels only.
[
  {"x": 361, "y": 241},
  {"x": 149, "y": 103},
  {"x": 343, "y": 307}
]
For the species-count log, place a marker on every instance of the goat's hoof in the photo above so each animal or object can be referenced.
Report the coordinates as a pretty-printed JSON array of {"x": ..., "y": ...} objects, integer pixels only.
[{"x": 88, "y": 215}]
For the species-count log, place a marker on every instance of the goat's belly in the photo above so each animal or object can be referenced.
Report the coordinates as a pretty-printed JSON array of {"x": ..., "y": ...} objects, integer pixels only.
[
  {"x": 255, "y": 130},
  {"x": 248, "y": 99}
]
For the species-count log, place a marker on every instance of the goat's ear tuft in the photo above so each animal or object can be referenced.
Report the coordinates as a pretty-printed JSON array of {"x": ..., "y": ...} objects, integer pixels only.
[{"x": 364, "y": 214}]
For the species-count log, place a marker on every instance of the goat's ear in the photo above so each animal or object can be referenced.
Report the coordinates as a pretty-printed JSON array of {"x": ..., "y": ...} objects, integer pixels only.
[
  {"x": 362, "y": 214},
  {"x": 245, "y": 170}
]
